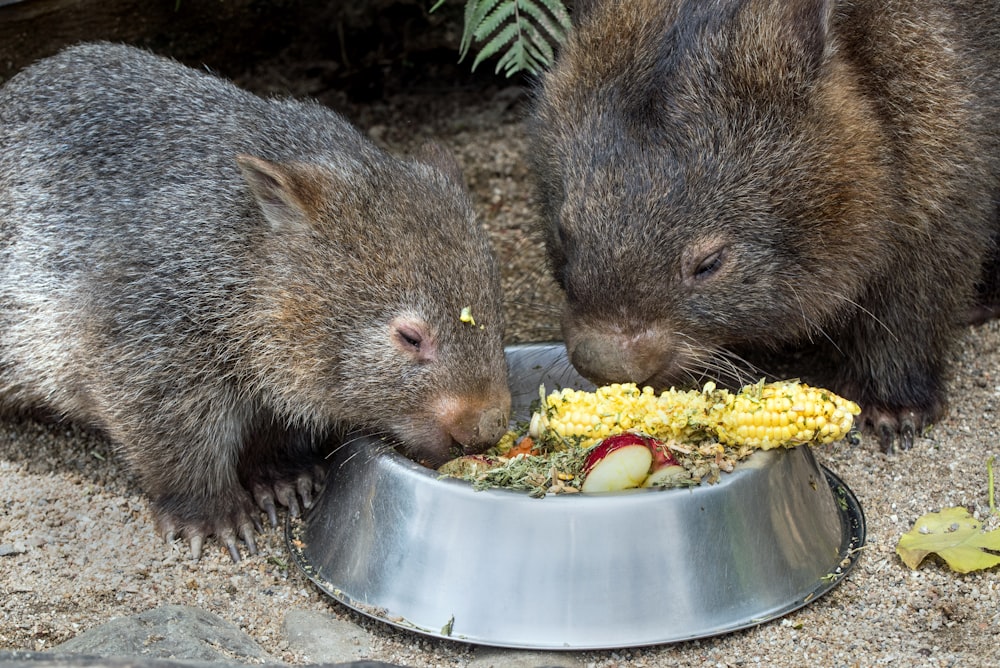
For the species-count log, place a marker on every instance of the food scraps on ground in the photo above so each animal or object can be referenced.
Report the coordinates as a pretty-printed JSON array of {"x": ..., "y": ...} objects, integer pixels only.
[{"x": 620, "y": 436}]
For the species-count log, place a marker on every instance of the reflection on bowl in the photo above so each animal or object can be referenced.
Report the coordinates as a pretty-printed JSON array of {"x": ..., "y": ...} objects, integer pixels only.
[{"x": 396, "y": 542}]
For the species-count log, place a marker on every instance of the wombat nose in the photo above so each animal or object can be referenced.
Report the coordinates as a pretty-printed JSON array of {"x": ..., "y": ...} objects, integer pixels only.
[
  {"x": 611, "y": 358},
  {"x": 480, "y": 429},
  {"x": 475, "y": 425},
  {"x": 492, "y": 425}
]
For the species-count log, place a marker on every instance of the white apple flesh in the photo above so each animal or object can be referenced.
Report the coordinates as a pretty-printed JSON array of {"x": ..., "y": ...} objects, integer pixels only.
[{"x": 618, "y": 462}]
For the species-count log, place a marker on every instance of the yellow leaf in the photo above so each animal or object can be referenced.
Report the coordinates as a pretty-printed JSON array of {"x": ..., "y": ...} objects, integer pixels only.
[{"x": 955, "y": 536}]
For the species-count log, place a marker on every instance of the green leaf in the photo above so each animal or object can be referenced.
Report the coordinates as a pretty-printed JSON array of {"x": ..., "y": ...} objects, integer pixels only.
[
  {"x": 555, "y": 30},
  {"x": 558, "y": 10},
  {"x": 955, "y": 536},
  {"x": 518, "y": 58},
  {"x": 538, "y": 46},
  {"x": 493, "y": 46}
]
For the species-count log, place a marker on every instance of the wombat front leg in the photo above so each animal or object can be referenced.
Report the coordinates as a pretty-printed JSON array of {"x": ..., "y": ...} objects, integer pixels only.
[
  {"x": 895, "y": 372},
  {"x": 188, "y": 464},
  {"x": 273, "y": 466},
  {"x": 892, "y": 424}
]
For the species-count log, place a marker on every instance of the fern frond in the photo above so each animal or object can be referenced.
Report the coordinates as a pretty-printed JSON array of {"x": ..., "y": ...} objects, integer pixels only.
[
  {"x": 518, "y": 58},
  {"x": 538, "y": 45},
  {"x": 550, "y": 24},
  {"x": 523, "y": 33}
]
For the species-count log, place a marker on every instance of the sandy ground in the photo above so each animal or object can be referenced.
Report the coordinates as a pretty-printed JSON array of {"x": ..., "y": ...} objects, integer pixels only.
[{"x": 80, "y": 547}]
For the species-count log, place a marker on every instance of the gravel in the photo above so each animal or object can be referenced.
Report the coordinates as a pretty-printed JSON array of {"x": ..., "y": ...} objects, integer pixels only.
[{"x": 78, "y": 546}]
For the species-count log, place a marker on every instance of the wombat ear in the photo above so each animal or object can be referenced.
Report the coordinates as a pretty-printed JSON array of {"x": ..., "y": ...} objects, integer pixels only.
[
  {"x": 281, "y": 191},
  {"x": 437, "y": 156}
]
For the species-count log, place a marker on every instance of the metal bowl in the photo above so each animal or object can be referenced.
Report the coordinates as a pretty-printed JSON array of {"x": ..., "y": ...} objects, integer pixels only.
[{"x": 394, "y": 541}]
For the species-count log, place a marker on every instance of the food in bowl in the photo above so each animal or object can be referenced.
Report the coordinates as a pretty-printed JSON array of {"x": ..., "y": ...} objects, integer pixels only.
[{"x": 621, "y": 436}]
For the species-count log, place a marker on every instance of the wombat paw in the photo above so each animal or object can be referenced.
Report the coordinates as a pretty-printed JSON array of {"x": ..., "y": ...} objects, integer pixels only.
[
  {"x": 895, "y": 426},
  {"x": 229, "y": 526},
  {"x": 288, "y": 492}
]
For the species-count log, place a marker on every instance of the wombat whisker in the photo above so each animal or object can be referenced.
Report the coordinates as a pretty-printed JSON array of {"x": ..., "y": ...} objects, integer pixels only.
[
  {"x": 713, "y": 363},
  {"x": 379, "y": 444},
  {"x": 874, "y": 318},
  {"x": 812, "y": 327},
  {"x": 730, "y": 368}
]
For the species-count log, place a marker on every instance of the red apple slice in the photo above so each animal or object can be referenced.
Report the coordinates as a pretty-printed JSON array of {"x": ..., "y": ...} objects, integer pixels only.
[
  {"x": 618, "y": 462},
  {"x": 662, "y": 455}
]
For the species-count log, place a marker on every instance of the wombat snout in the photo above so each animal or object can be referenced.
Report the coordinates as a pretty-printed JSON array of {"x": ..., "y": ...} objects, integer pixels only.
[
  {"x": 611, "y": 355},
  {"x": 490, "y": 426}
]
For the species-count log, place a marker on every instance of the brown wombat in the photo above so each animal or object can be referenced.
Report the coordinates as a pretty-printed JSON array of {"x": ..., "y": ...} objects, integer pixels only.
[
  {"x": 219, "y": 282},
  {"x": 726, "y": 180}
]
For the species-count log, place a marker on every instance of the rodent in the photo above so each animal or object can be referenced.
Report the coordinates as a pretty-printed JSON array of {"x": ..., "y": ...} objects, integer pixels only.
[
  {"x": 727, "y": 183},
  {"x": 221, "y": 283}
]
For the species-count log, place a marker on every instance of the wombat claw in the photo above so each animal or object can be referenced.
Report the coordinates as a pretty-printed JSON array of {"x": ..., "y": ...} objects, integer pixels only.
[
  {"x": 195, "y": 533},
  {"x": 287, "y": 493},
  {"x": 900, "y": 427}
]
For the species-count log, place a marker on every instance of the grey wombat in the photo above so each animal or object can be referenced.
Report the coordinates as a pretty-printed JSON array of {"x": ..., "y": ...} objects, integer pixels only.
[
  {"x": 724, "y": 180},
  {"x": 217, "y": 281}
]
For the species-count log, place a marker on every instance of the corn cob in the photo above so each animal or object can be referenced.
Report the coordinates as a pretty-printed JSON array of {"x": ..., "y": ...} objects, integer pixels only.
[
  {"x": 765, "y": 415},
  {"x": 785, "y": 413}
]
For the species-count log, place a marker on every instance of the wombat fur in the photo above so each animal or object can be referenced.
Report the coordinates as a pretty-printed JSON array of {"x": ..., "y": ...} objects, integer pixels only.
[
  {"x": 725, "y": 183},
  {"x": 219, "y": 282}
]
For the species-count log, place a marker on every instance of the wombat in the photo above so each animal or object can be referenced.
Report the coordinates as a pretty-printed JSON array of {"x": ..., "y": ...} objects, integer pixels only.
[
  {"x": 728, "y": 183},
  {"x": 220, "y": 282}
]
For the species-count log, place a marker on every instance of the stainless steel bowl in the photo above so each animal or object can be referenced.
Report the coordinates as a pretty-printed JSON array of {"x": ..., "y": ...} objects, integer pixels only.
[{"x": 392, "y": 540}]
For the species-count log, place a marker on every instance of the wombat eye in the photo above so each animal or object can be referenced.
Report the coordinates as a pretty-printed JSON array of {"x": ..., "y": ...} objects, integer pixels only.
[
  {"x": 409, "y": 338},
  {"x": 709, "y": 264},
  {"x": 413, "y": 337}
]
